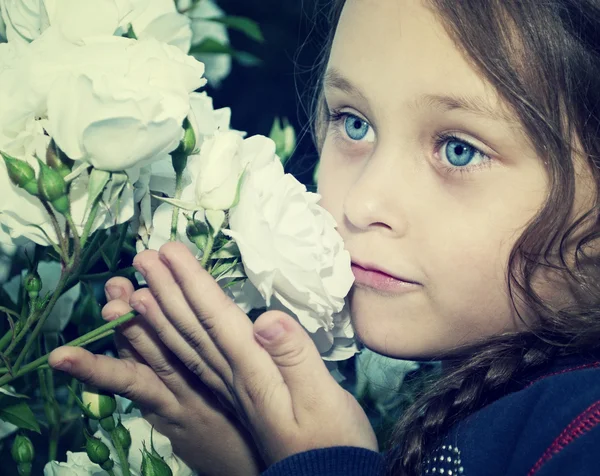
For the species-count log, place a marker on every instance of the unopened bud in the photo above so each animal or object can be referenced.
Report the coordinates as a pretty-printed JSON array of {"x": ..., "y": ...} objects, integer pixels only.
[
  {"x": 33, "y": 284},
  {"x": 188, "y": 143},
  {"x": 153, "y": 464},
  {"x": 284, "y": 136},
  {"x": 197, "y": 232},
  {"x": 98, "y": 404},
  {"x": 22, "y": 449},
  {"x": 21, "y": 173},
  {"x": 122, "y": 435},
  {"x": 53, "y": 188},
  {"x": 97, "y": 450},
  {"x": 57, "y": 160}
]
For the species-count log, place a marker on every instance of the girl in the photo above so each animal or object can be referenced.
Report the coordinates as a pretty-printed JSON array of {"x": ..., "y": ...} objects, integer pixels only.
[{"x": 459, "y": 155}]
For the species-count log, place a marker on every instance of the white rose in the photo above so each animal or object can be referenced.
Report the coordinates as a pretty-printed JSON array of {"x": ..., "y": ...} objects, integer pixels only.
[
  {"x": 159, "y": 19},
  {"x": 218, "y": 173},
  {"x": 125, "y": 110},
  {"x": 80, "y": 19},
  {"x": 290, "y": 248},
  {"x": 218, "y": 66},
  {"x": 25, "y": 19},
  {"x": 205, "y": 119},
  {"x": 77, "y": 464},
  {"x": 19, "y": 102}
]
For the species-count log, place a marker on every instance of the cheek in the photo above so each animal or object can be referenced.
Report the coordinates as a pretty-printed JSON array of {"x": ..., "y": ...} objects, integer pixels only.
[{"x": 335, "y": 177}]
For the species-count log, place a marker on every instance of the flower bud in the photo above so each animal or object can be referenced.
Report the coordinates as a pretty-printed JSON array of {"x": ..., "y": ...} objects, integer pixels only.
[
  {"x": 98, "y": 404},
  {"x": 197, "y": 232},
  {"x": 153, "y": 464},
  {"x": 53, "y": 188},
  {"x": 57, "y": 160},
  {"x": 22, "y": 450},
  {"x": 284, "y": 136},
  {"x": 96, "y": 450},
  {"x": 33, "y": 284},
  {"x": 188, "y": 143},
  {"x": 21, "y": 173},
  {"x": 122, "y": 435}
]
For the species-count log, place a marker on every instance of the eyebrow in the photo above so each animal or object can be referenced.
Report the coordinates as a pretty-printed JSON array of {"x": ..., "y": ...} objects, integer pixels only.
[{"x": 472, "y": 104}]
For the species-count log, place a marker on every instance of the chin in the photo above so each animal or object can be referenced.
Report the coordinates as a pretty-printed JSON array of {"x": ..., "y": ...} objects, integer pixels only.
[{"x": 398, "y": 337}]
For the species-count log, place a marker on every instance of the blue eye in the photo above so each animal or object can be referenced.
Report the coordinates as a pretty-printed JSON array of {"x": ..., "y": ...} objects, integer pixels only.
[
  {"x": 459, "y": 153},
  {"x": 356, "y": 128}
]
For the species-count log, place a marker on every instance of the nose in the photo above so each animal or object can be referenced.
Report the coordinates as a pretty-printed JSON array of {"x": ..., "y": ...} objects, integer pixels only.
[{"x": 375, "y": 200}]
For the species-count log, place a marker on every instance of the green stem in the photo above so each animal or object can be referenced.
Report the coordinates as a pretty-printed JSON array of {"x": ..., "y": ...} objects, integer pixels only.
[
  {"x": 62, "y": 240},
  {"x": 121, "y": 453},
  {"x": 110, "y": 472},
  {"x": 92, "y": 336},
  {"x": 53, "y": 442},
  {"x": 210, "y": 242},
  {"x": 90, "y": 221},
  {"x": 74, "y": 262},
  {"x": 176, "y": 211}
]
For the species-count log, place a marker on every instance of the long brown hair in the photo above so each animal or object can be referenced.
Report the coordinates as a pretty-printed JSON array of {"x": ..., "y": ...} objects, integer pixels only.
[{"x": 544, "y": 60}]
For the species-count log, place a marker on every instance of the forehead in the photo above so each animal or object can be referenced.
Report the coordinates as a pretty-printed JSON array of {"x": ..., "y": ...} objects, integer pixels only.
[{"x": 400, "y": 49}]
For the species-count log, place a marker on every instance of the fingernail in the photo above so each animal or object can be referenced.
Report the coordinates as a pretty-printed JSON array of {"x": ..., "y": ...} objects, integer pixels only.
[
  {"x": 271, "y": 333},
  {"x": 139, "y": 268},
  {"x": 138, "y": 306},
  {"x": 63, "y": 365},
  {"x": 113, "y": 292}
]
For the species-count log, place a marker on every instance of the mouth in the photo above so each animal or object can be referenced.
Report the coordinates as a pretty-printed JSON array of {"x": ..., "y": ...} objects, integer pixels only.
[{"x": 370, "y": 276}]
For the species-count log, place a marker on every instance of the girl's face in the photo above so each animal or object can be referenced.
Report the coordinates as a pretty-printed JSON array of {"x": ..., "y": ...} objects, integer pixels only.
[{"x": 430, "y": 178}]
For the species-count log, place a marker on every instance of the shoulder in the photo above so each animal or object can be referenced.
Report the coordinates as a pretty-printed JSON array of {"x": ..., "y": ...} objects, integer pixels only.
[{"x": 552, "y": 423}]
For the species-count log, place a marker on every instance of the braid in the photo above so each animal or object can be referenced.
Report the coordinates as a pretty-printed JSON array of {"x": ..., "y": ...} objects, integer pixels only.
[{"x": 481, "y": 379}]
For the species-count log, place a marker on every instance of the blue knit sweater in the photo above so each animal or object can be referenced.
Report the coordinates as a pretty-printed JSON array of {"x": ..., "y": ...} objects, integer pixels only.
[{"x": 548, "y": 426}]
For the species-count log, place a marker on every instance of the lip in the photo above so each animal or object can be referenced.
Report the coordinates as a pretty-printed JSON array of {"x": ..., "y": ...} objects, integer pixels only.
[{"x": 370, "y": 276}]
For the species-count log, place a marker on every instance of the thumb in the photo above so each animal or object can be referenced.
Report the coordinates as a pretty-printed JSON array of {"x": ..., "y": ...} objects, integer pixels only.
[{"x": 295, "y": 355}]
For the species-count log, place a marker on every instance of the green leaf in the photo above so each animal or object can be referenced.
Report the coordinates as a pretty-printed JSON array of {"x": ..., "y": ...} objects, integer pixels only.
[
  {"x": 98, "y": 180},
  {"x": 11, "y": 393},
  {"x": 20, "y": 415},
  {"x": 212, "y": 46},
  {"x": 242, "y": 24},
  {"x": 192, "y": 207},
  {"x": 230, "y": 250}
]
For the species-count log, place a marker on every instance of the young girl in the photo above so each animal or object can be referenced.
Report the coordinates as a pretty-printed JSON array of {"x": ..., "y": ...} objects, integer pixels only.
[{"x": 459, "y": 155}]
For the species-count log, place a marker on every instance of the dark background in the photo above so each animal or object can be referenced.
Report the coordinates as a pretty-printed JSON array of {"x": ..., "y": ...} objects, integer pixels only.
[{"x": 281, "y": 85}]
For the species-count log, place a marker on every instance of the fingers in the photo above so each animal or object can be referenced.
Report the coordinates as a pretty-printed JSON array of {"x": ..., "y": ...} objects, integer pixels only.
[
  {"x": 136, "y": 340},
  {"x": 297, "y": 358},
  {"x": 118, "y": 288},
  {"x": 222, "y": 320},
  {"x": 130, "y": 379},
  {"x": 168, "y": 343}
]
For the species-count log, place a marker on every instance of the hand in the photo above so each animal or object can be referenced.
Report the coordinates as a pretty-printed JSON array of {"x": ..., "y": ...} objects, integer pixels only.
[
  {"x": 269, "y": 371},
  {"x": 207, "y": 437}
]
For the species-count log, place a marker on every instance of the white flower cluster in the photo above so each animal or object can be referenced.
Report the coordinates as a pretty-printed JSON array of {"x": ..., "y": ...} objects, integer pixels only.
[{"x": 110, "y": 86}]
